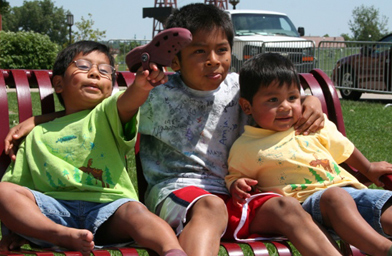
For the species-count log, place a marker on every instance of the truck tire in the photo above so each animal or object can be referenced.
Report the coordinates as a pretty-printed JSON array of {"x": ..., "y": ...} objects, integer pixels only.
[{"x": 347, "y": 79}]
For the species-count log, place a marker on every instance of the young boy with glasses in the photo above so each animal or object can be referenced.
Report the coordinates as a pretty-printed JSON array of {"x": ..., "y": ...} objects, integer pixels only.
[{"x": 69, "y": 186}]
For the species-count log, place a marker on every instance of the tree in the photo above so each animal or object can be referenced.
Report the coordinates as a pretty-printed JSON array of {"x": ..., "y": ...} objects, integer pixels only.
[
  {"x": 86, "y": 31},
  {"x": 367, "y": 25},
  {"x": 346, "y": 37},
  {"x": 38, "y": 16},
  {"x": 4, "y": 7},
  {"x": 26, "y": 50}
]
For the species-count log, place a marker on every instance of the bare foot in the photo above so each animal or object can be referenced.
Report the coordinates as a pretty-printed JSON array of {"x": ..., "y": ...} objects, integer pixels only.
[{"x": 77, "y": 239}]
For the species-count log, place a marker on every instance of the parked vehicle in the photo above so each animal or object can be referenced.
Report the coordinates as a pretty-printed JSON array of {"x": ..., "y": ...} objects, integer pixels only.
[
  {"x": 368, "y": 70},
  {"x": 258, "y": 31}
]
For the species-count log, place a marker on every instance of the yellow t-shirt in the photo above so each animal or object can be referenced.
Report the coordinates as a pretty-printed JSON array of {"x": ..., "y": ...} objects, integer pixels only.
[{"x": 289, "y": 164}]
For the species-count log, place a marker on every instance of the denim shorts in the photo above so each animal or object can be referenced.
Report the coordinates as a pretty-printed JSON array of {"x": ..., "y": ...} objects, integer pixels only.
[
  {"x": 75, "y": 213},
  {"x": 369, "y": 203}
]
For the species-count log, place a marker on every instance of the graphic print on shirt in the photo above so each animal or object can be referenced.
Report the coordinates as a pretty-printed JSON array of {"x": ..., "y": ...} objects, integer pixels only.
[
  {"x": 66, "y": 151},
  {"x": 96, "y": 173},
  {"x": 321, "y": 162}
]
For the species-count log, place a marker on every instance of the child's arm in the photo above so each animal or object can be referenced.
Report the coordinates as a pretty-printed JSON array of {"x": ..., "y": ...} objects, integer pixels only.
[
  {"x": 312, "y": 118},
  {"x": 21, "y": 130},
  {"x": 136, "y": 94},
  {"x": 239, "y": 190},
  {"x": 372, "y": 170}
]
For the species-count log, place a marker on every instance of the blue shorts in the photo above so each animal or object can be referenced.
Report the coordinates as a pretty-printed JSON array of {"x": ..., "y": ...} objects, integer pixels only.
[
  {"x": 74, "y": 213},
  {"x": 369, "y": 203}
]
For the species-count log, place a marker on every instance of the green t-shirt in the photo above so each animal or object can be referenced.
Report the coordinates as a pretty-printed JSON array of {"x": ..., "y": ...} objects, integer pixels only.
[{"x": 79, "y": 156}]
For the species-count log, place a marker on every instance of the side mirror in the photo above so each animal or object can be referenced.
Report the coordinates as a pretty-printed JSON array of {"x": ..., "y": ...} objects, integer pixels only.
[{"x": 301, "y": 31}]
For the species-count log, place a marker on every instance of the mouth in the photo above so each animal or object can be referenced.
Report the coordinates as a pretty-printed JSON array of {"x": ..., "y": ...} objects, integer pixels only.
[
  {"x": 92, "y": 87},
  {"x": 214, "y": 76},
  {"x": 284, "y": 119}
]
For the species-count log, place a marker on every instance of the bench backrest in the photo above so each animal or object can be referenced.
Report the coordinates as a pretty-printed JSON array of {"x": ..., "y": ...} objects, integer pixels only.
[{"x": 317, "y": 82}]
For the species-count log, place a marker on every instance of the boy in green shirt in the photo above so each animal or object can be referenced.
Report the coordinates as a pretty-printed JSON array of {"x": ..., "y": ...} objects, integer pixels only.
[{"x": 69, "y": 186}]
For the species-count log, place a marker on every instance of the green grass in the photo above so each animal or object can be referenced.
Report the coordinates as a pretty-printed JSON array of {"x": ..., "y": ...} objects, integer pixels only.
[{"x": 368, "y": 125}]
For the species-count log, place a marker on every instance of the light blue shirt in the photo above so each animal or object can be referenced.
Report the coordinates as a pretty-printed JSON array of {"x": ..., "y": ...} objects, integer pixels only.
[{"x": 186, "y": 136}]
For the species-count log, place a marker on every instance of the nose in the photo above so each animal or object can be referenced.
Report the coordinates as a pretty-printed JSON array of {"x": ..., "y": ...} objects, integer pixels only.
[
  {"x": 284, "y": 106},
  {"x": 93, "y": 72},
  {"x": 213, "y": 59}
]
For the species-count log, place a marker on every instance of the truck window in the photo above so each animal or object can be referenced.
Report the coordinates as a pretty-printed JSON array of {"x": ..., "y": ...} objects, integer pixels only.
[{"x": 263, "y": 24}]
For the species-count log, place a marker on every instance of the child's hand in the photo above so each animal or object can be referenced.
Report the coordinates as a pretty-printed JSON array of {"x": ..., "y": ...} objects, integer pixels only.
[
  {"x": 146, "y": 78},
  {"x": 312, "y": 118},
  {"x": 376, "y": 170},
  {"x": 239, "y": 190},
  {"x": 15, "y": 135},
  {"x": 11, "y": 241}
]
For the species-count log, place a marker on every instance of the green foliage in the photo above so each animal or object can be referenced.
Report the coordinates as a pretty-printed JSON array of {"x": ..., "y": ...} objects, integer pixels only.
[
  {"x": 4, "y": 7},
  {"x": 346, "y": 37},
  {"x": 38, "y": 16},
  {"x": 367, "y": 25},
  {"x": 27, "y": 50},
  {"x": 86, "y": 31},
  {"x": 120, "y": 49}
]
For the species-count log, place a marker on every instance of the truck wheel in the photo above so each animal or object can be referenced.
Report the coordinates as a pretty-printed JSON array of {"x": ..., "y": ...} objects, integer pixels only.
[{"x": 347, "y": 79}]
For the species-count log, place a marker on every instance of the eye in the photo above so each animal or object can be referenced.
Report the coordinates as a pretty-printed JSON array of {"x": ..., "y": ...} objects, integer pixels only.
[
  {"x": 83, "y": 64},
  {"x": 273, "y": 100},
  {"x": 199, "y": 51},
  {"x": 106, "y": 69},
  {"x": 223, "y": 50}
]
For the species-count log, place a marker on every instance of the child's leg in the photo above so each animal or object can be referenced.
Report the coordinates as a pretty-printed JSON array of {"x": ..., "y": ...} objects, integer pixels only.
[
  {"x": 285, "y": 216},
  {"x": 207, "y": 222},
  {"x": 386, "y": 218},
  {"x": 20, "y": 213},
  {"x": 340, "y": 212},
  {"x": 133, "y": 221}
]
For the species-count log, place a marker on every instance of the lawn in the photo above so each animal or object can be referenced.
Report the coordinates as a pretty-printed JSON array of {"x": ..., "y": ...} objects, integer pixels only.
[{"x": 368, "y": 125}]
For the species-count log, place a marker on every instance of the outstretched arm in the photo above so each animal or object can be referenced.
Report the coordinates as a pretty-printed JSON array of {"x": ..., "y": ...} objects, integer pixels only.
[
  {"x": 372, "y": 170},
  {"x": 137, "y": 93},
  {"x": 312, "y": 118}
]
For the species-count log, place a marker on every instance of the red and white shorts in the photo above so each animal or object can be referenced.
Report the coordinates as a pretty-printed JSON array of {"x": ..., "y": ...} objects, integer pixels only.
[{"x": 175, "y": 207}]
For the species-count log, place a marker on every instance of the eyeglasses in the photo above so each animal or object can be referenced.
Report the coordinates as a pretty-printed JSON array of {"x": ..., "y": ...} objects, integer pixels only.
[{"x": 85, "y": 65}]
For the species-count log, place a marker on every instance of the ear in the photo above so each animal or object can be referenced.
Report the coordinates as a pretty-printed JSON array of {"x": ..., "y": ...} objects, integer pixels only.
[
  {"x": 175, "y": 65},
  {"x": 246, "y": 106},
  {"x": 58, "y": 84}
]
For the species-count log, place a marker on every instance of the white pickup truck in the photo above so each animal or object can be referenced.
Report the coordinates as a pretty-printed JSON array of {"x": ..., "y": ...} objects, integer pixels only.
[{"x": 259, "y": 31}]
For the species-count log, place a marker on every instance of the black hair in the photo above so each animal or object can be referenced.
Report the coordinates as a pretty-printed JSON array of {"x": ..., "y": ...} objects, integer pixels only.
[
  {"x": 207, "y": 17},
  {"x": 65, "y": 57},
  {"x": 263, "y": 69}
]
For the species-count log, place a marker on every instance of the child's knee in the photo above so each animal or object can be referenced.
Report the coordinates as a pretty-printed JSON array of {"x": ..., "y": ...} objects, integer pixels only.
[
  {"x": 284, "y": 206},
  {"x": 134, "y": 208},
  {"x": 210, "y": 207},
  {"x": 8, "y": 190},
  {"x": 334, "y": 196}
]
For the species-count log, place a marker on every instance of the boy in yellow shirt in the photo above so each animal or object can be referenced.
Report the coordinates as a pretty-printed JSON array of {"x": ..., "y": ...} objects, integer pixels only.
[{"x": 271, "y": 157}]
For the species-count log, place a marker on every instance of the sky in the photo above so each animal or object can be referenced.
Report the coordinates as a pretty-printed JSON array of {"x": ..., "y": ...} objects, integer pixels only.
[{"x": 123, "y": 19}]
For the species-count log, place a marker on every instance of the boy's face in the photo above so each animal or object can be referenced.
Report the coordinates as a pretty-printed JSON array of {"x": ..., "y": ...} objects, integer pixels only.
[
  {"x": 205, "y": 62},
  {"x": 275, "y": 108},
  {"x": 82, "y": 89}
]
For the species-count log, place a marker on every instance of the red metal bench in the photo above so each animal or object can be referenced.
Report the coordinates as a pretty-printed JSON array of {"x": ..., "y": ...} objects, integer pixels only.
[{"x": 317, "y": 82}]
